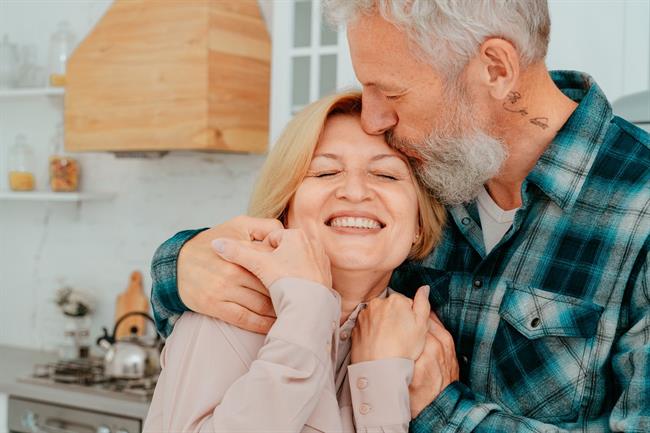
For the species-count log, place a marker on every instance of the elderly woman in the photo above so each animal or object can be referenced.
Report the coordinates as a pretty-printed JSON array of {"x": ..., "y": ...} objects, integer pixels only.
[{"x": 353, "y": 212}]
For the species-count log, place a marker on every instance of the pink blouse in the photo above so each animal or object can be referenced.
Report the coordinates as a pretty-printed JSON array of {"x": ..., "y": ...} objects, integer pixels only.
[{"x": 298, "y": 378}]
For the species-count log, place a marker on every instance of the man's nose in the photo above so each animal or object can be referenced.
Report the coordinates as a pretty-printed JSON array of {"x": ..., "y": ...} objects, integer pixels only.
[
  {"x": 354, "y": 187},
  {"x": 376, "y": 117}
]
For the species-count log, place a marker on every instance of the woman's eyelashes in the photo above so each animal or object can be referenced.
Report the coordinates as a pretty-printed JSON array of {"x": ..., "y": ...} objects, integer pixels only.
[
  {"x": 381, "y": 175},
  {"x": 326, "y": 173},
  {"x": 386, "y": 176}
]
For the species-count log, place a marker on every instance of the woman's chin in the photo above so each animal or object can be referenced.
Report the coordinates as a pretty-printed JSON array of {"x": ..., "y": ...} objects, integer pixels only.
[{"x": 361, "y": 262}]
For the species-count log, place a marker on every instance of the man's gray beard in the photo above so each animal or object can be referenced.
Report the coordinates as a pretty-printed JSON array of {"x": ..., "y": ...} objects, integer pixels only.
[{"x": 454, "y": 169}]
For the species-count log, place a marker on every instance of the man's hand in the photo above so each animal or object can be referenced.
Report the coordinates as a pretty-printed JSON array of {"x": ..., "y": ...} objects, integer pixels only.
[
  {"x": 436, "y": 368},
  {"x": 212, "y": 286},
  {"x": 394, "y": 327}
]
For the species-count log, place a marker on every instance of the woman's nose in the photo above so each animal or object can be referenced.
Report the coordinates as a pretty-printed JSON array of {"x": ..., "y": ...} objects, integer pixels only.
[{"x": 354, "y": 187}]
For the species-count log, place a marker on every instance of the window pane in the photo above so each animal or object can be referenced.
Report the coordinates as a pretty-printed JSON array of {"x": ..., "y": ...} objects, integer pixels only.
[
  {"x": 300, "y": 81},
  {"x": 302, "y": 23},
  {"x": 328, "y": 35},
  {"x": 327, "y": 74}
]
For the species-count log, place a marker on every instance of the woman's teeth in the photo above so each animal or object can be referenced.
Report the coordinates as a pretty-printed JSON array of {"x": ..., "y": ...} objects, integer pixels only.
[{"x": 355, "y": 222}]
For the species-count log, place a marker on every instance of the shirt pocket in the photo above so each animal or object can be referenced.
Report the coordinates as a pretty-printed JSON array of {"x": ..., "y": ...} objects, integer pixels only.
[{"x": 541, "y": 353}]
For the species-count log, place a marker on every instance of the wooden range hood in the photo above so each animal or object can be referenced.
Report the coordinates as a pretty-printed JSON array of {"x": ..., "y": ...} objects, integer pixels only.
[{"x": 157, "y": 75}]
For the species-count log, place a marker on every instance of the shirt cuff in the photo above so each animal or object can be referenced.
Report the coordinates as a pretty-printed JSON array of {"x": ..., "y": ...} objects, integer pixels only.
[
  {"x": 308, "y": 313},
  {"x": 442, "y": 412},
  {"x": 165, "y": 299},
  {"x": 380, "y": 391}
]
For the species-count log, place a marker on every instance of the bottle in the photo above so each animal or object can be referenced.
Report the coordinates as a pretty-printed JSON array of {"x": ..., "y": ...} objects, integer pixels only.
[
  {"x": 9, "y": 59},
  {"x": 64, "y": 170},
  {"x": 61, "y": 44},
  {"x": 21, "y": 165}
]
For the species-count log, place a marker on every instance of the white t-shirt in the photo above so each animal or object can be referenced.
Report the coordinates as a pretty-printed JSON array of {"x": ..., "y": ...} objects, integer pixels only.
[{"x": 495, "y": 221}]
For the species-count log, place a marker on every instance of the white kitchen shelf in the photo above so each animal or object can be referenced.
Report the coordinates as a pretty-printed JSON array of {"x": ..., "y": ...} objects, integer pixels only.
[
  {"x": 30, "y": 92},
  {"x": 54, "y": 196}
]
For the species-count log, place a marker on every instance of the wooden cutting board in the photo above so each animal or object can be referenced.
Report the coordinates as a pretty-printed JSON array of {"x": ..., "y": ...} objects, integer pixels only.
[{"x": 132, "y": 299}]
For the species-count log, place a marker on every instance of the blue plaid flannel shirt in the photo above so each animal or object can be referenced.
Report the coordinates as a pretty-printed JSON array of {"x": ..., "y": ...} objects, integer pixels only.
[{"x": 552, "y": 327}]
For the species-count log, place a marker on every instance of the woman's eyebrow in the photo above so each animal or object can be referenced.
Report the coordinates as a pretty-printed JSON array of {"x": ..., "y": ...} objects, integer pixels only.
[
  {"x": 326, "y": 155},
  {"x": 389, "y": 155}
]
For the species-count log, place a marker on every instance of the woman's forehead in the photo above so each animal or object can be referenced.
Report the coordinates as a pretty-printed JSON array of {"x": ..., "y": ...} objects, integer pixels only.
[{"x": 343, "y": 136}]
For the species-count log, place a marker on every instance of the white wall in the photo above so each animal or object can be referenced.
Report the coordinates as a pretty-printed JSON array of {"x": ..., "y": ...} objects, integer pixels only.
[{"x": 609, "y": 39}]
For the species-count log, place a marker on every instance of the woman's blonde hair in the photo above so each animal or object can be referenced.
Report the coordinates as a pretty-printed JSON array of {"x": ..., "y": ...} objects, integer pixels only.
[{"x": 289, "y": 160}]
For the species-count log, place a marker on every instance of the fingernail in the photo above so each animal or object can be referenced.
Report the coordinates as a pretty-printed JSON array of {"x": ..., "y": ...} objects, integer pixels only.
[
  {"x": 427, "y": 290},
  {"x": 219, "y": 246}
]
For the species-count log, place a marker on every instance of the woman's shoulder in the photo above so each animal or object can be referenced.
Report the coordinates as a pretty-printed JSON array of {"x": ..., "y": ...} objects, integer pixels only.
[{"x": 216, "y": 333}]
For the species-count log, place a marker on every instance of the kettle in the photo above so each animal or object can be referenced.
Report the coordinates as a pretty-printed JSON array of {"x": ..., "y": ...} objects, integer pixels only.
[{"x": 132, "y": 357}]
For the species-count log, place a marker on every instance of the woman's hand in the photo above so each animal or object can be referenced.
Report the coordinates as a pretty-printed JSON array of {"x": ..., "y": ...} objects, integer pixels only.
[
  {"x": 290, "y": 253},
  {"x": 395, "y": 327}
]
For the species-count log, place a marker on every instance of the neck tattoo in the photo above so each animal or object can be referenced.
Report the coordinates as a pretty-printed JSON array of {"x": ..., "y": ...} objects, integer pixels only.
[{"x": 509, "y": 105}]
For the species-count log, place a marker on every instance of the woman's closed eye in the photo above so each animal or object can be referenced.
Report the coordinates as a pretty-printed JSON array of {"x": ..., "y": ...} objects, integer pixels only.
[
  {"x": 328, "y": 173},
  {"x": 387, "y": 176}
]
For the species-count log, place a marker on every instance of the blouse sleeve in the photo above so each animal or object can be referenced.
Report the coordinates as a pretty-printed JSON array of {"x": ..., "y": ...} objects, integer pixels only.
[
  {"x": 380, "y": 395},
  {"x": 205, "y": 385}
]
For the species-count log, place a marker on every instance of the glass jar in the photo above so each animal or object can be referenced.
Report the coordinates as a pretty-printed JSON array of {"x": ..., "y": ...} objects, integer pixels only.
[
  {"x": 77, "y": 338},
  {"x": 9, "y": 59},
  {"x": 21, "y": 165},
  {"x": 64, "y": 170},
  {"x": 61, "y": 44}
]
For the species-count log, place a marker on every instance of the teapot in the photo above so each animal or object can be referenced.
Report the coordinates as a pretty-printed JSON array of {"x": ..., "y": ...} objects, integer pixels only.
[{"x": 132, "y": 357}]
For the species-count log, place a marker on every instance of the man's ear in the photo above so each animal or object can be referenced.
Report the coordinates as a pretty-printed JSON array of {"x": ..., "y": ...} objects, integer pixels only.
[{"x": 499, "y": 63}]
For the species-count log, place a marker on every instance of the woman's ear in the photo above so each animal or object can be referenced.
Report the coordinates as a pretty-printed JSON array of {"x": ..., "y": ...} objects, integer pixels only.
[{"x": 498, "y": 60}]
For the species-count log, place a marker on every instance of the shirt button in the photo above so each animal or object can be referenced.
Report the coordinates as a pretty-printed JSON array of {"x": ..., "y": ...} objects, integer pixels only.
[
  {"x": 362, "y": 383},
  {"x": 465, "y": 221},
  {"x": 465, "y": 359},
  {"x": 478, "y": 283},
  {"x": 364, "y": 408},
  {"x": 344, "y": 335},
  {"x": 535, "y": 322}
]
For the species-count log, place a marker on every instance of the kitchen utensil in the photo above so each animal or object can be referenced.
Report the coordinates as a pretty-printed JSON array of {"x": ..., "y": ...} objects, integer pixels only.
[
  {"x": 132, "y": 357},
  {"x": 132, "y": 299}
]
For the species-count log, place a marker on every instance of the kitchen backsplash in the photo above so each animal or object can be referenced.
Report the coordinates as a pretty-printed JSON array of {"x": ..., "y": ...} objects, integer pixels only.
[{"x": 95, "y": 245}]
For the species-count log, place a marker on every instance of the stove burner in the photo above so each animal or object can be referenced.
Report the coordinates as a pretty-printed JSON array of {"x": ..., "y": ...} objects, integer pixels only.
[{"x": 89, "y": 374}]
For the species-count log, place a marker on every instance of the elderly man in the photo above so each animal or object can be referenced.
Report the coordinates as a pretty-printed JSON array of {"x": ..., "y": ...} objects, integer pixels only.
[{"x": 542, "y": 277}]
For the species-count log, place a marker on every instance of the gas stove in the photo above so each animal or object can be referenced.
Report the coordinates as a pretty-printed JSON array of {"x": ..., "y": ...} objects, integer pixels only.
[{"x": 87, "y": 375}]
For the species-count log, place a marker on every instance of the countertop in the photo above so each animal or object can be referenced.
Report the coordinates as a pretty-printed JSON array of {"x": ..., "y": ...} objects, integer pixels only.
[{"x": 16, "y": 363}]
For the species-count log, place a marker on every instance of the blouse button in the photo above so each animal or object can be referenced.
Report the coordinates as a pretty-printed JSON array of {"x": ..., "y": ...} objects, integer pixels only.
[
  {"x": 362, "y": 383},
  {"x": 344, "y": 335},
  {"x": 364, "y": 408}
]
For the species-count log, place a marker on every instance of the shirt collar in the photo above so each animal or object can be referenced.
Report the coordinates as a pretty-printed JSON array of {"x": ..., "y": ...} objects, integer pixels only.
[
  {"x": 563, "y": 168},
  {"x": 352, "y": 318}
]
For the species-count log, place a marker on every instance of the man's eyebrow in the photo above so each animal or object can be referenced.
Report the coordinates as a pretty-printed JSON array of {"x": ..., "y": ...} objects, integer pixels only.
[{"x": 385, "y": 87}]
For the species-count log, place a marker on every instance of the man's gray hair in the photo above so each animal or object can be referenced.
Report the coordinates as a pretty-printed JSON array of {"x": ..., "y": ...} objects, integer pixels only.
[{"x": 450, "y": 32}]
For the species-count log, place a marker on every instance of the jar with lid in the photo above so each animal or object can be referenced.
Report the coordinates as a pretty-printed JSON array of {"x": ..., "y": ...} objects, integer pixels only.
[
  {"x": 61, "y": 44},
  {"x": 21, "y": 165},
  {"x": 64, "y": 170}
]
